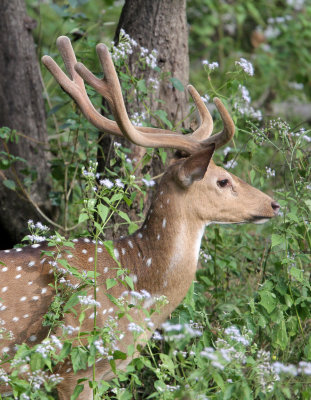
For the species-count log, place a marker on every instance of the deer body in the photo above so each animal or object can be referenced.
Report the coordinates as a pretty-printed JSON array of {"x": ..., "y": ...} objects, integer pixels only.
[{"x": 161, "y": 256}]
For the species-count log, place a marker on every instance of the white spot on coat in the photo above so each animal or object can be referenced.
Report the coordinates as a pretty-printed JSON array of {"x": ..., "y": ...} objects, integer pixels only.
[
  {"x": 148, "y": 262},
  {"x": 31, "y": 264},
  {"x": 123, "y": 251},
  {"x": 91, "y": 259},
  {"x": 164, "y": 223},
  {"x": 18, "y": 276},
  {"x": 4, "y": 289},
  {"x": 4, "y": 269},
  {"x": 116, "y": 253},
  {"x": 130, "y": 244},
  {"x": 23, "y": 298}
]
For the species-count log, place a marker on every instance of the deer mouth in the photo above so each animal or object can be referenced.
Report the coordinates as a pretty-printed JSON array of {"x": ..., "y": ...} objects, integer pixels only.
[{"x": 260, "y": 219}]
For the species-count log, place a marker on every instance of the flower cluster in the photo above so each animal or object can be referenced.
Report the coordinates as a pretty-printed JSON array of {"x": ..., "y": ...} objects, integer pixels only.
[
  {"x": 39, "y": 378},
  {"x": 88, "y": 301},
  {"x": 242, "y": 104},
  {"x": 210, "y": 66},
  {"x": 48, "y": 346},
  {"x": 148, "y": 182},
  {"x": 270, "y": 172},
  {"x": 124, "y": 47},
  {"x": 246, "y": 66},
  {"x": 181, "y": 331},
  {"x": 38, "y": 225}
]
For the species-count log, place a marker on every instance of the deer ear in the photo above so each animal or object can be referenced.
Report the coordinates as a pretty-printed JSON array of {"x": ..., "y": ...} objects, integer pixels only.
[{"x": 194, "y": 167}]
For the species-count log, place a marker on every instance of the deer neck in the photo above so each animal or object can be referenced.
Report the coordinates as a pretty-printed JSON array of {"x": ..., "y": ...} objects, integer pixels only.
[{"x": 163, "y": 254}]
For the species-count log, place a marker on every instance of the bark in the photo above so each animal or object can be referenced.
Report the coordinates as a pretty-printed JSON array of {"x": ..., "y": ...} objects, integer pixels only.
[
  {"x": 160, "y": 25},
  {"x": 22, "y": 109}
]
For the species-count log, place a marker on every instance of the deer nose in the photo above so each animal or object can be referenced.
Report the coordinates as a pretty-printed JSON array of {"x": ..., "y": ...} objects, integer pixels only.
[{"x": 275, "y": 207}]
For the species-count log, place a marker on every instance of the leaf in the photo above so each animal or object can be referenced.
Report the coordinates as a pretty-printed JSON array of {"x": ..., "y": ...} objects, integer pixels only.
[
  {"x": 280, "y": 336},
  {"x": 129, "y": 281},
  {"x": 167, "y": 363},
  {"x": 73, "y": 300},
  {"x": 103, "y": 211},
  {"x": 276, "y": 240},
  {"x": 78, "y": 389},
  {"x": 124, "y": 216},
  {"x": 177, "y": 84},
  {"x": 162, "y": 115},
  {"x": 268, "y": 300},
  {"x": 119, "y": 355},
  {"x": 65, "y": 351},
  {"x": 9, "y": 184},
  {"x": 141, "y": 86},
  {"x": 252, "y": 175},
  {"x": 296, "y": 273},
  {"x": 83, "y": 217},
  {"x": 78, "y": 358},
  {"x": 36, "y": 361},
  {"x": 110, "y": 282},
  {"x": 308, "y": 203}
]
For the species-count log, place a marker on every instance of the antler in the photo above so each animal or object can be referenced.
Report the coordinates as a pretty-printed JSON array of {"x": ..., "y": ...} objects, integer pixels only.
[{"x": 109, "y": 88}]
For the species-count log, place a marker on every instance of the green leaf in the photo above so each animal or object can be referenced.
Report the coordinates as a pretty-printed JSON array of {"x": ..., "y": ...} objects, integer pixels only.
[
  {"x": 65, "y": 351},
  {"x": 73, "y": 300},
  {"x": 119, "y": 355},
  {"x": 141, "y": 86},
  {"x": 280, "y": 336},
  {"x": 296, "y": 273},
  {"x": 308, "y": 203},
  {"x": 110, "y": 282},
  {"x": 36, "y": 361},
  {"x": 83, "y": 217},
  {"x": 79, "y": 358},
  {"x": 167, "y": 363},
  {"x": 252, "y": 175},
  {"x": 129, "y": 281},
  {"x": 103, "y": 211},
  {"x": 276, "y": 240},
  {"x": 124, "y": 216},
  {"x": 268, "y": 300},
  {"x": 162, "y": 115},
  {"x": 9, "y": 184},
  {"x": 78, "y": 389},
  {"x": 177, "y": 84}
]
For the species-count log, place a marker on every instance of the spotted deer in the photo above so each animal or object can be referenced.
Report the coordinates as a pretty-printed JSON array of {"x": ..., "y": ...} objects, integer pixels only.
[{"x": 162, "y": 255}]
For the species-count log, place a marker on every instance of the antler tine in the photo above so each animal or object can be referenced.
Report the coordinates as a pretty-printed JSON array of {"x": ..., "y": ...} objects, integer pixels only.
[
  {"x": 68, "y": 55},
  {"x": 223, "y": 137},
  {"x": 206, "y": 126},
  {"x": 109, "y": 87}
]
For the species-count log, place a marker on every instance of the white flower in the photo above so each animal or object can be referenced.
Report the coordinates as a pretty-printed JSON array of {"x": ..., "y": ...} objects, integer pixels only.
[
  {"x": 88, "y": 301},
  {"x": 132, "y": 327},
  {"x": 148, "y": 183},
  {"x": 270, "y": 172},
  {"x": 205, "y": 98},
  {"x": 106, "y": 182},
  {"x": 119, "y": 183},
  {"x": 210, "y": 66},
  {"x": 246, "y": 66},
  {"x": 231, "y": 164}
]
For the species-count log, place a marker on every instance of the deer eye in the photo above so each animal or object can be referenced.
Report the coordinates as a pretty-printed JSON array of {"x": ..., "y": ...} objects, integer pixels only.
[{"x": 223, "y": 183}]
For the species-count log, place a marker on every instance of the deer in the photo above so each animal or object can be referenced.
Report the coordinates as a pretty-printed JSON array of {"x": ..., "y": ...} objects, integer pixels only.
[{"x": 162, "y": 255}]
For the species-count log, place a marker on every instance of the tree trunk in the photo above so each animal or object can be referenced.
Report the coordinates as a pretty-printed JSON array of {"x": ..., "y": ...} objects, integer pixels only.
[
  {"x": 22, "y": 109},
  {"x": 159, "y": 25}
]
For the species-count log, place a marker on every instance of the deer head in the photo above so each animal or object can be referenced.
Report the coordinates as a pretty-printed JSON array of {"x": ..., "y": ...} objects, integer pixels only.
[{"x": 162, "y": 255}]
